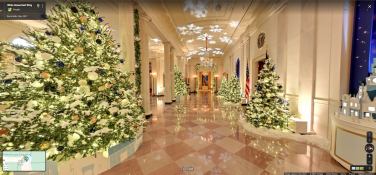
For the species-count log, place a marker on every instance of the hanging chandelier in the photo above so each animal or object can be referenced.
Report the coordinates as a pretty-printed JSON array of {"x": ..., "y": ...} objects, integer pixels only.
[{"x": 206, "y": 61}]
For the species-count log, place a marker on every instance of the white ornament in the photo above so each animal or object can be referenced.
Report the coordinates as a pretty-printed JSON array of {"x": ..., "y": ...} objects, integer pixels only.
[
  {"x": 83, "y": 90},
  {"x": 36, "y": 84},
  {"x": 268, "y": 94},
  {"x": 82, "y": 82},
  {"x": 93, "y": 23},
  {"x": 92, "y": 76},
  {"x": 106, "y": 66},
  {"x": 125, "y": 102},
  {"x": 72, "y": 138},
  {"x": 78, "y": 155},
  {"x": 137, "y": 38}
]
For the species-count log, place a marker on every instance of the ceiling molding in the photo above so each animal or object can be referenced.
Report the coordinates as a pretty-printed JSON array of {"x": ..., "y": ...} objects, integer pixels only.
[
  {"x": 160, "y": 17},
  {"x": 261, "y": 18}
]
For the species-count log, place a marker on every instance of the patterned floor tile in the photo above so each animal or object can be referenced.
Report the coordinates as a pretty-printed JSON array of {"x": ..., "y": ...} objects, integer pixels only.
[
  {"x": 230, "y": 144},
  {"x": 178, "y": 150},
  {"x": 200, "y": 163},
  {"x": 153, "y": 161}
]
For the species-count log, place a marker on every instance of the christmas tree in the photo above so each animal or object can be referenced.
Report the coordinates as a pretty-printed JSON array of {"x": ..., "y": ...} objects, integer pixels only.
[
  {"x": 223, "y": 90},
  {"x": 70, "y": 98},
  {"x": 267, "y": 107},
  {"x": 180, "y": 87},
  {"x": 233, "y": 95}
]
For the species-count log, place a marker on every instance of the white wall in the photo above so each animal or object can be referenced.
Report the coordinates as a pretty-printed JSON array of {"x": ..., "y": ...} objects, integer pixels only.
[{"x": 310, "y": 44}]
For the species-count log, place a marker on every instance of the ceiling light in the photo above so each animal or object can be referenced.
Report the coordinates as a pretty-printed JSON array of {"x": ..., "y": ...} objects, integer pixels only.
[
  {"x": 189, "y": 41},
  {"x": 215, "y": 29},
  {"x": 212, "y": 42},
  {"x": 234, "y": 23},
  {"x": 204, "y": 36}
]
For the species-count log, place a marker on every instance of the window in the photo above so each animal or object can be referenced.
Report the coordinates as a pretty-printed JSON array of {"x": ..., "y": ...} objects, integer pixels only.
[
  {"x": 344, "y": 104},
  {"x": 351, "y": 103},
  {"x": 356, "y": 104},
  {"x": 22, "y": 42},
  {"x": 344, "y": 111},
  {"x": 356, "y": 113}
]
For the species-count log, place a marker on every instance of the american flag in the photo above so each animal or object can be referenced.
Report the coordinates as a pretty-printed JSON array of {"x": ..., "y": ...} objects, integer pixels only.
[{"x": 247, "y": 85}]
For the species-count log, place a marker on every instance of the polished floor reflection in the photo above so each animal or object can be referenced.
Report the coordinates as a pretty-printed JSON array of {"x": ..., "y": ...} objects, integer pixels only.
[{"x": 199, "y": 132}]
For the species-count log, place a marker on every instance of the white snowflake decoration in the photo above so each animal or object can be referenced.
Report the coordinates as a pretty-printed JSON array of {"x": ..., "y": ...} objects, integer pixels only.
[
  {"x": 190, "y": 29},
  {"x": 204, "y": 36},
  {"x": 226, "y": 40},
  {"x": 215, "y": 29},
  {"x": 190, "y": 41},
  {"x": 234, "y": 23},
  {"x": 217, "y": 48},
  {"x": 201, "y": 53},
  {"x": 156, "y": 40},
  {"x": 212, "y": 42}
]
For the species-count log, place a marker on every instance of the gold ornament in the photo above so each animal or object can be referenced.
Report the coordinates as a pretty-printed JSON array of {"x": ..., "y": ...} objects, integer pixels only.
[
  {"x": 45, "y": 145},
  {"x": 134, "y": 126},
  {"x": 139, "y": 103},
  {"x": 92, "y": 35},
  {"x": 122, "y": 80},
  {"x": 79, "y": 49},
  {"x": 101, "y": 88},
  {"x": 118, "y": 101},
  {"x": 105, "y": 116},
  {"x": 47, "y": 115},
  {"x": 83, "y": 19},
  {"x": 136, "y": 89},
  {"x": 93, "y": 120},
  {"x": 45, "y": 75},
  {"x": 75, "y": 117},
  {"x": 62, "y": 89},
  {"x": 68, "y": 66},
  {"x": 108, "y": 85},
  {"x": 113, "y": 82}
]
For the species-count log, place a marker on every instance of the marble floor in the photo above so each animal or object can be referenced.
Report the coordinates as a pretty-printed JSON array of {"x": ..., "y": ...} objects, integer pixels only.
[{"x": 199, "y": 132}]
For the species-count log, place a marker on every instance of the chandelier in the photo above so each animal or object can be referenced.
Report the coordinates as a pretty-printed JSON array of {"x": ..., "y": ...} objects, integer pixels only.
[{"x": 206, "y": 61}]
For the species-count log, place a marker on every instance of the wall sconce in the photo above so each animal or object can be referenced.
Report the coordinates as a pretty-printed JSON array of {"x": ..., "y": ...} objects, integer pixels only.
[
  {"x": 153, "y": 74},
  {"x": 216, "y": 76},
  {"x": 194, "y": 76}
]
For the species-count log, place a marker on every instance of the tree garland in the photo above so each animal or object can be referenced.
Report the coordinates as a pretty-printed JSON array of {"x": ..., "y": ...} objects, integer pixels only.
[{"x": 137, "y": 54}]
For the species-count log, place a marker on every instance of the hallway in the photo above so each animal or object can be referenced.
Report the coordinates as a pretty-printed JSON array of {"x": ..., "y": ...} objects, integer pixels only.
[{"x": 199, "y": 132}]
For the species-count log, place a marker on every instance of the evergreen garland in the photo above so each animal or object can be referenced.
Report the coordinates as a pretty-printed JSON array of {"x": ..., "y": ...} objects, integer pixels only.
[{"x": 137, "y": 54}]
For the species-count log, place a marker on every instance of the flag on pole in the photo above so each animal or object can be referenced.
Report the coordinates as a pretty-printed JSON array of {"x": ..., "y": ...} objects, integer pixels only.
[{"x": 247, "y": 85}]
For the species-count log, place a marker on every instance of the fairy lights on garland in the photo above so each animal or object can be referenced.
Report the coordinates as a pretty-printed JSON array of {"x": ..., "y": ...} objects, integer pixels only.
[{"x": 137, "y": 54}]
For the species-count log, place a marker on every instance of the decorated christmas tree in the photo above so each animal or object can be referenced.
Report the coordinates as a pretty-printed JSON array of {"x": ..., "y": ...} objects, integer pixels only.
[
  {"x": 267, "y": 106},
  {"x": 233, "y": 95},
  {"x": 223, "y": 90},
  {"x": 180, "y": 87},
  {"x": 70, "y": 98}
]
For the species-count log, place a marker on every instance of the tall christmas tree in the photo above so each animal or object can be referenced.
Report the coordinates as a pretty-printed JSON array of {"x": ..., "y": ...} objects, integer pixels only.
[
  {"x": 70, "y": 97},
  {"x": 267, "y": 107},
  {"x": 180, "y": 87},
  {"x": 223, "y": 90},
  {"x": 233, "y": 95}
]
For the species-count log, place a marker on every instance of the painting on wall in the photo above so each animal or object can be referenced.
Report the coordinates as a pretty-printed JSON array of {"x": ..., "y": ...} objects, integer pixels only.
[{"x": 205, "y": 80}]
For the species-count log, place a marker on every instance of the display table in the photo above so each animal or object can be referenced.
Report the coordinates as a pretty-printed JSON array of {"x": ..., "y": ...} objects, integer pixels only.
[{"x": 348, "y": 139}]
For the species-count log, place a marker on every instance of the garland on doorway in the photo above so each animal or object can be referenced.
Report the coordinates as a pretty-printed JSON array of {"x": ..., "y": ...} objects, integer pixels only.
[{"x": 137, "y": 54}]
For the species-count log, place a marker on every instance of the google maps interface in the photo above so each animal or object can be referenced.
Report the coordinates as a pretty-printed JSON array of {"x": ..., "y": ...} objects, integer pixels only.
[{"x": 24, "y": 161}]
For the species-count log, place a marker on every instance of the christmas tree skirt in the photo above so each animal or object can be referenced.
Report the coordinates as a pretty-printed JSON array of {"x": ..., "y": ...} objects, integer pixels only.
[
  {"x": 314, "y": 140},
  {"x": 95, "y": 165}
]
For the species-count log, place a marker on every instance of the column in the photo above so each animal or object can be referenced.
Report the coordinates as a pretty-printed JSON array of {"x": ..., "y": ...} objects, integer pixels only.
[
  {"x": 242, "y": 67},
  {"x": 179, "y": 64},
  {"x": 307, "y": 64},
  {"x": 167, "y": 68},
  {"x": 172, "y": 74},
  {"x": 126, "y": 37},
  {"x": 145, "y": 84},
  {"x": 159, "y": 79}
]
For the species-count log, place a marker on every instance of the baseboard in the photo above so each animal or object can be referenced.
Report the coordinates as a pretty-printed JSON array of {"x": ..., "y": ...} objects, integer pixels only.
[
  {"x": 167, "y": 103},
  {"x": 148, "y": 116},
  {"x": 173, "y": 100}
]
